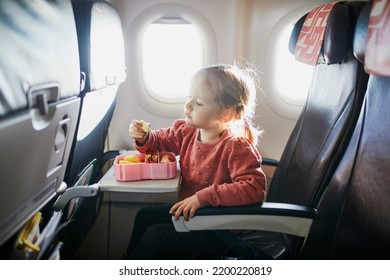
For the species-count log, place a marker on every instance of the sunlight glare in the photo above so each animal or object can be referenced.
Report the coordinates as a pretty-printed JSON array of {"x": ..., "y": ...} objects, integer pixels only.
[
  {"x": 171, "y": 53},
  {"x": 289, "y": 71}
]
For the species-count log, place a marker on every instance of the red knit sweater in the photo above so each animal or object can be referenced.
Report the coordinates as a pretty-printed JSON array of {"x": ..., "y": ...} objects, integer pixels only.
[{"x": 226, "y": 172}]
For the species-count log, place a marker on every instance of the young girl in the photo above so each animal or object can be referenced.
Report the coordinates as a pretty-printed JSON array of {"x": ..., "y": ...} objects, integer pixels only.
[{"x": 218, "y": 159}]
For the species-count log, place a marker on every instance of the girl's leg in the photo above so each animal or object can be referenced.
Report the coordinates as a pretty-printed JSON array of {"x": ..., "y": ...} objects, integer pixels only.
[
  {"x": 161, "y": 241},
  {"x": 146, "y": 217}
]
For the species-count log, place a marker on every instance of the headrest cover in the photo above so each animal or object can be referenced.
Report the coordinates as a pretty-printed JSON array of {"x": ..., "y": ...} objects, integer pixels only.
[
  {"x": 310, "y": 39},
  {"x": 377, "y": 58}
]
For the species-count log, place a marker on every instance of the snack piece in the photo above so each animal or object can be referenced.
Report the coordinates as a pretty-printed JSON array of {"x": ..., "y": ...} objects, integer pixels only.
[
  {"x": 148, "y": 158},
  {"x": 125, "y": 162},
  {"x": 155, "y": 158},
  {"x": 166, "y": 159},
  {"x": 132, "y": 159},
  {"x": 145, "y": 126}
]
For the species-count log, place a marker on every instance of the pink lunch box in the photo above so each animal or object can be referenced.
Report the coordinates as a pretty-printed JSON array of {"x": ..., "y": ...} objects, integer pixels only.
[{"x": 145, "y": 171}]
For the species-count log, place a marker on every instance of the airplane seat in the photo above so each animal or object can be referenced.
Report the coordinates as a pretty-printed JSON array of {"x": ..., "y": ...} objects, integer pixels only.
[
  {"x": 353, "y": 220},
  {"x": 329, "y": 116},
  {"x": 39, "y": 87},
  {"x": 333, "y": 104},
  {"x": 102, "y": 60},
  {"x": 320, "y": 136}
]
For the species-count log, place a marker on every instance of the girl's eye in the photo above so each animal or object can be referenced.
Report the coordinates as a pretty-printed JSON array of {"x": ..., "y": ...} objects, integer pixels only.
[{"x": 190, "y": 97}]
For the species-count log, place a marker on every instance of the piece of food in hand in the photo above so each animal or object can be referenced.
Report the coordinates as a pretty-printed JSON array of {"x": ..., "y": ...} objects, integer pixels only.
[
  {"x": 145, "y": 126},
  {"x": 166, "y": 159},
  {"x": 132, "y": 159}
]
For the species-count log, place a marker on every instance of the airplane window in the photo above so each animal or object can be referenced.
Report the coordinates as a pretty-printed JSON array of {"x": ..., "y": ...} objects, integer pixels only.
[
  {"x": 289, "y": 71},
  {"x": 167, "y": 43},
  {"x": 171, "y": 51}
]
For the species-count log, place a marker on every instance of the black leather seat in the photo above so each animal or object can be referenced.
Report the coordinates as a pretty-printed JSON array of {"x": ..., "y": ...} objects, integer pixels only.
[
  {"x": 39, "y": 87},
  {"x": 353, "y": 216},
  {"x": 102, "y": 60},
  {"x": 319, "y": 138},
  {"x": 325, "y": 125}
]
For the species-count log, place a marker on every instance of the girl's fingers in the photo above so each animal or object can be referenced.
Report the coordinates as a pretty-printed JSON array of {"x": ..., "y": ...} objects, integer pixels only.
[
  {"x": 176, "y": 209},
  {"x": 135, "y": 131},
  {"x": 177, "y": 214},
  {"x": 187, "y": 208}
]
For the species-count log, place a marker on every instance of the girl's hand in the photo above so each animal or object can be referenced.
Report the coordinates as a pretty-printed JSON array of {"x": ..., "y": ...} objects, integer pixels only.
[
  {"x": 137, "y": 133},
  {"x": 187, "y": 207}
]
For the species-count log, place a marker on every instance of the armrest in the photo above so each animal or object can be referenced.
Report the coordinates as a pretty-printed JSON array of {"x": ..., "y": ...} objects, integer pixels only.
[
  {"x": 74, "y": 192},
  {"x": 268, "y": 216},
  {"x": 269, "y": 162}
]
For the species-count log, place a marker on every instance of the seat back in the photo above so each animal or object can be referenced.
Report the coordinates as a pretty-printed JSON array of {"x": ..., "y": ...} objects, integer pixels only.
[
  {"x": 328, "y": 118},
  {"x": 39, "y": 84},
  {"x": 102, "y": 60},
  {"x": 353, "y": 220},
  {"x": 332, "y": 106}
]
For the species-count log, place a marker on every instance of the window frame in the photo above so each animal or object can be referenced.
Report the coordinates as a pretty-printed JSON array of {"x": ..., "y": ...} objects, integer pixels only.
[{"x": 136, "y": 30}]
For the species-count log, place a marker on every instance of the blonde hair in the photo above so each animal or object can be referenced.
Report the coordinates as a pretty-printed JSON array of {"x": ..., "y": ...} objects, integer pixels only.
[{"x": 235, "y": 88}]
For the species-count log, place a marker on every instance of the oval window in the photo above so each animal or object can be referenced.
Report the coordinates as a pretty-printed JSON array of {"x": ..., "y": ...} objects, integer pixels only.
[
  {"x": 171, "y": 51},
  {"x": 289, "y": 71}
]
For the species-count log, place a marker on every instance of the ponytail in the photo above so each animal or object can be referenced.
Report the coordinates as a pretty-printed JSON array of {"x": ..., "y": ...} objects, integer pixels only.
[{"x": 250, "y": 132}]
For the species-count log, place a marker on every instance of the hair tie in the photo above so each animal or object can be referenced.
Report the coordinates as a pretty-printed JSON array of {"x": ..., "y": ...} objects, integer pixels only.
[{"x": 246, "y": 122}]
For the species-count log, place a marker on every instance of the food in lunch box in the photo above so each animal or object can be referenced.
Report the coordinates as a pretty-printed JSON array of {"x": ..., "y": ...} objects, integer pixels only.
[
  {"x": 166, "y": 159},
  {"x": 121, "y": 161},
  {"x": 130, "y": 159},
  {"x": 149, "y": 158}
]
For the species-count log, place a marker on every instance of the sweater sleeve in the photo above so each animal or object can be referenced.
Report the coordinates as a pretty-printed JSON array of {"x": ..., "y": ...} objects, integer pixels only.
[
  {"x": 248, "y": 180},
  {"x": 165, "y": 139}
]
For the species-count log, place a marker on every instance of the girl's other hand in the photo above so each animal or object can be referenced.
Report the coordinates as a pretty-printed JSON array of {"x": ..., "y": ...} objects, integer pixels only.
[
  {"x": 137, "y": 133},
  {"x": 187, "y": 207}
]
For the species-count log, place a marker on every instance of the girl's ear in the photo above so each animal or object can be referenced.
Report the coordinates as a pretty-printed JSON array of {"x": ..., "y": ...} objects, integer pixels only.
[{"x": 227, "y": 115}]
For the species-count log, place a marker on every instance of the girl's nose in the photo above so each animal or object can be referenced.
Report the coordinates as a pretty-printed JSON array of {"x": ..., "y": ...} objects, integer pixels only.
[{"x": 188, "y": 104}]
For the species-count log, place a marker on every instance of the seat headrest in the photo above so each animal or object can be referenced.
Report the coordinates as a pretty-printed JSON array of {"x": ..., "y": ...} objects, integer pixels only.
[
  {"x": 325, "y": 34},
  {"x": 101, "y": 44},
  {"x": 377, "y": 57}
]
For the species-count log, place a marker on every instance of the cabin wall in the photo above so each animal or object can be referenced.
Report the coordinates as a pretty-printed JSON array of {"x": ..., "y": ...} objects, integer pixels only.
[{"x": 242, "y": 30}]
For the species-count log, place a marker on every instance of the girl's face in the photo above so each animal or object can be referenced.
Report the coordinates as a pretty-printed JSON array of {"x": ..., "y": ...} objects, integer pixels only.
[{"x": 201, "y": 110}]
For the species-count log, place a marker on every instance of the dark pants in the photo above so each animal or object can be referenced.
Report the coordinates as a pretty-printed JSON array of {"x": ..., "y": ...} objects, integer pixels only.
[{"x": 154, "y": 237}]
